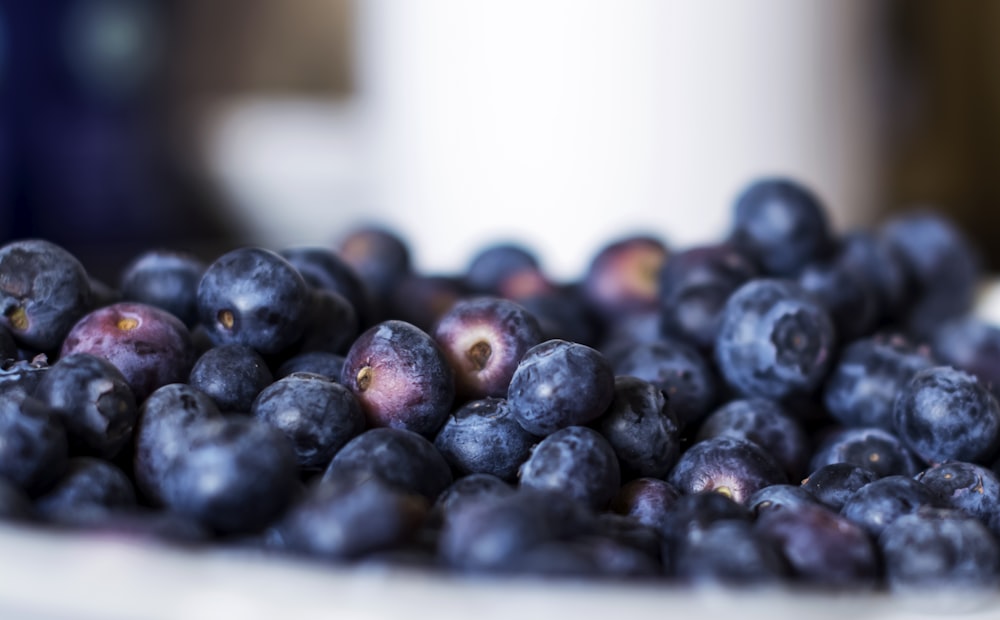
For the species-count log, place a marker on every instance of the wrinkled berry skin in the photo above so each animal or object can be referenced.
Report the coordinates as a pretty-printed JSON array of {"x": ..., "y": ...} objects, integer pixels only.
[
  {"x": 33, "y": 449},
  {"x": 559, "y": 383},
  {"x": 93, "y": 400},
  {"x": 944, "y": 414},
  {"x": 775, "y": 340},
  {"x": 823, "y": 548},
  {"x": 166, "y": 279},
  {"x": 90, "y": 486},
  {"x": 832, "y": 485},
  {"x": 862, "y": 387},
  {"x": 642, "y": 428},
  {"x": 254, "y": 297},
  {"x": 44, "y": 290},
  {"x": 483, "y": 339},
  {"x": 872, "y": 448},
  {"x": 317, "y": 415},
  {"x": 729, "y": 553},
  {"x": 150, "y": 346},
  {"x": 236, "y": 475},
  {"x": 400, "y": 377},
  {"x": 939, "y": 549},
  {"x": 679, "y": 370},
  {"x": 971, "y": 488},
  {"x": 482, "y": 436},
  {"x": 348, "y": 517},
  {"x": 767, "y": 424},
  {"x": 232, "y": 375},
  {"x": 780, "y": 224},
  {"x": 623, "y": 277},
  {"x": 396, "y": 456},
  {"x": 577, "y": 461},
  {"x": 694, "y": 286},
  {"x": 736, "y": 468},
  {"x": 879, "y": 503}
]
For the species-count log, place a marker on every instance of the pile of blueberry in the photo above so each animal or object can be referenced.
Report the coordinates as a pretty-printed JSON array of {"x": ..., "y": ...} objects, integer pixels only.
[{"x": 786, "y": 406}]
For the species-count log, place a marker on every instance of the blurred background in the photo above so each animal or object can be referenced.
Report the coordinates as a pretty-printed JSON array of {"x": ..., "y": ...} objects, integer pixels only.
[{"x": 198, "y": 125}]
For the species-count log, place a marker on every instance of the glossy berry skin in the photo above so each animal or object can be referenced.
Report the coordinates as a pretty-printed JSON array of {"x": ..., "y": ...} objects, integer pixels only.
[
  {"x": 482, "y": 436},
  {"x": 93, "y": 400},
  {"x": 834, "y": 484},
  {"x": 317, "y": 415},
  {"x": 34, "y": 449},
  {"x": 236, "y": 475},
  {"x": 862, "y": 387},
  {"x": 973, "y": 345},
  {"x": 254, "y": 297},
  {"x": 736, "y": 468},
  {"x": 484, "y": 339},
  {"x": 559, "y": 384},
  {"x": 775, "y": 340},
  {"x": 971, "y": 488},
  {"x": 679, "y": 370},
  {"x": 324, "y": 269},
  {"x": 944, "y": 414},
  {"x": 872, "y": 448},
  {"x": 162, "y": 434},
  {"x": 823, "y": 548},
  {"x": 642, "y": 428},
  {"x": 44, "y": 290},
  {"x": 781, "y": 225},
  {"x": 493, "y": 264},
  {"x": 939, "y": 550},
  {"x": 577, "y": 461},
  {"x": 347, "y": 517},
  {"x": 232, "y": 375},
  {"x": 729, "y": 553},
  {"x": 150, "y": 346},
  {"x": 646, "y": 500},
  {"x": 694, "y": 286},
  {"x": 767, "y": 424},
  {"x": 329, "y": 365},
  {"x": 623, "y": 277},
  {"x": 879, "y": 503},
  {"x": 396, "y": 456},
  {"x": 89, "y": 488},
  {"x": 166, "y": 279},
  {"x": 400, "y": 377}
]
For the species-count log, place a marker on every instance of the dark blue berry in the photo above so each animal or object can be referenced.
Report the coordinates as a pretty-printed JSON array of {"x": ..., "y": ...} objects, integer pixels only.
[
  {"x": 971, "y": 488},
  {"x": 879, "y": 503},
  {"x": 641, "y": 426},
  {"x": 779, "y": 497},
  {"x": 33, "y": 445},
  {"x": 89, "y": 487},
  {"x": 577, "y": 461},
  {"x": 729, "y": 553},
  {"x": 491, "y": 265},
  {"x": 736, "y": 468},
  {"x": 232, "y": 375},
  {"x": 832, "y": 485},
  {"x": 166, "y": 279},
  {"x": 623, "y": 277},
  {"x": 483, "y": 436},
  {"x": 872, "y": 448},
  {"x": 329, "y": 365}
]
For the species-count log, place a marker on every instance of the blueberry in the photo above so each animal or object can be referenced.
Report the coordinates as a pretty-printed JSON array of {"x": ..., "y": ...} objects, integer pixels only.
[
  {"x": 317, "y": 415},
  {"x": 90, "y": 486},
  {"x": 575, "y": 460},
  {"x": 324, "y": 269},
  {"x": 780, "y": 224},
  {"x": 399, "y": 457},
  {"x": 150, "y": 346},
  {"x": 33, "y": 445},
  {"x": 254, "y": 297},
  {"x": 862, "y": 388},
  {"x": 879, "y": 503},
  {"x": 971, "y": 488},
  {"x": 23, "y": 376},
  {"x": 775, "y": 340},
  {"x": 729, "y": 553},
  {"x": 690, "y": 516},
  {"x": 44, "y": 290},
  {"x": 767, "y": 424},
  {"x": 939, "y": 549},
  {"x": 559, "y": 383},
  {"x": 736, "y": 468},
  {"x": 423, "y": 299},
  {"x": 469, "y": 490},
  {"x": 872, "y": 448},
  {"x": 329, "y": 365},
  {"x": 378, "y": 255},
  {"x": 167, "y": 279},
  {"x": 623, "y": 277},
  {"x": 15, "y": 505},
  {"x": 945, "y": 414},
  {"x": 590, "y": 557},
  {"x": 236, "y": 475},
  {"x": 884, "y": 266},
  {"x": 646, "y": 500},
  {"x": 694, "y": 286},
  {"x": 346, "y": 517},
  {"x": 483, "y": 340},
  {"x": 779, "y": 497},
  {"x": 973, "y": 345},
  {"x": 679, "y": 370},
  {"x": 561, "y": 316},
  {"x": 232, "y": 375},
  {"x": 483, "y": 436},
  {"x": 493, "y": 264},
  {"x": 331, "y": 324},
  {"x": 641, "y": 426},
  {"x": 93, "y": 400},
  {"x": 401, "y": 378},
  {"x": 832, "y": 485},
  {"x": 847, "y": 293}
]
